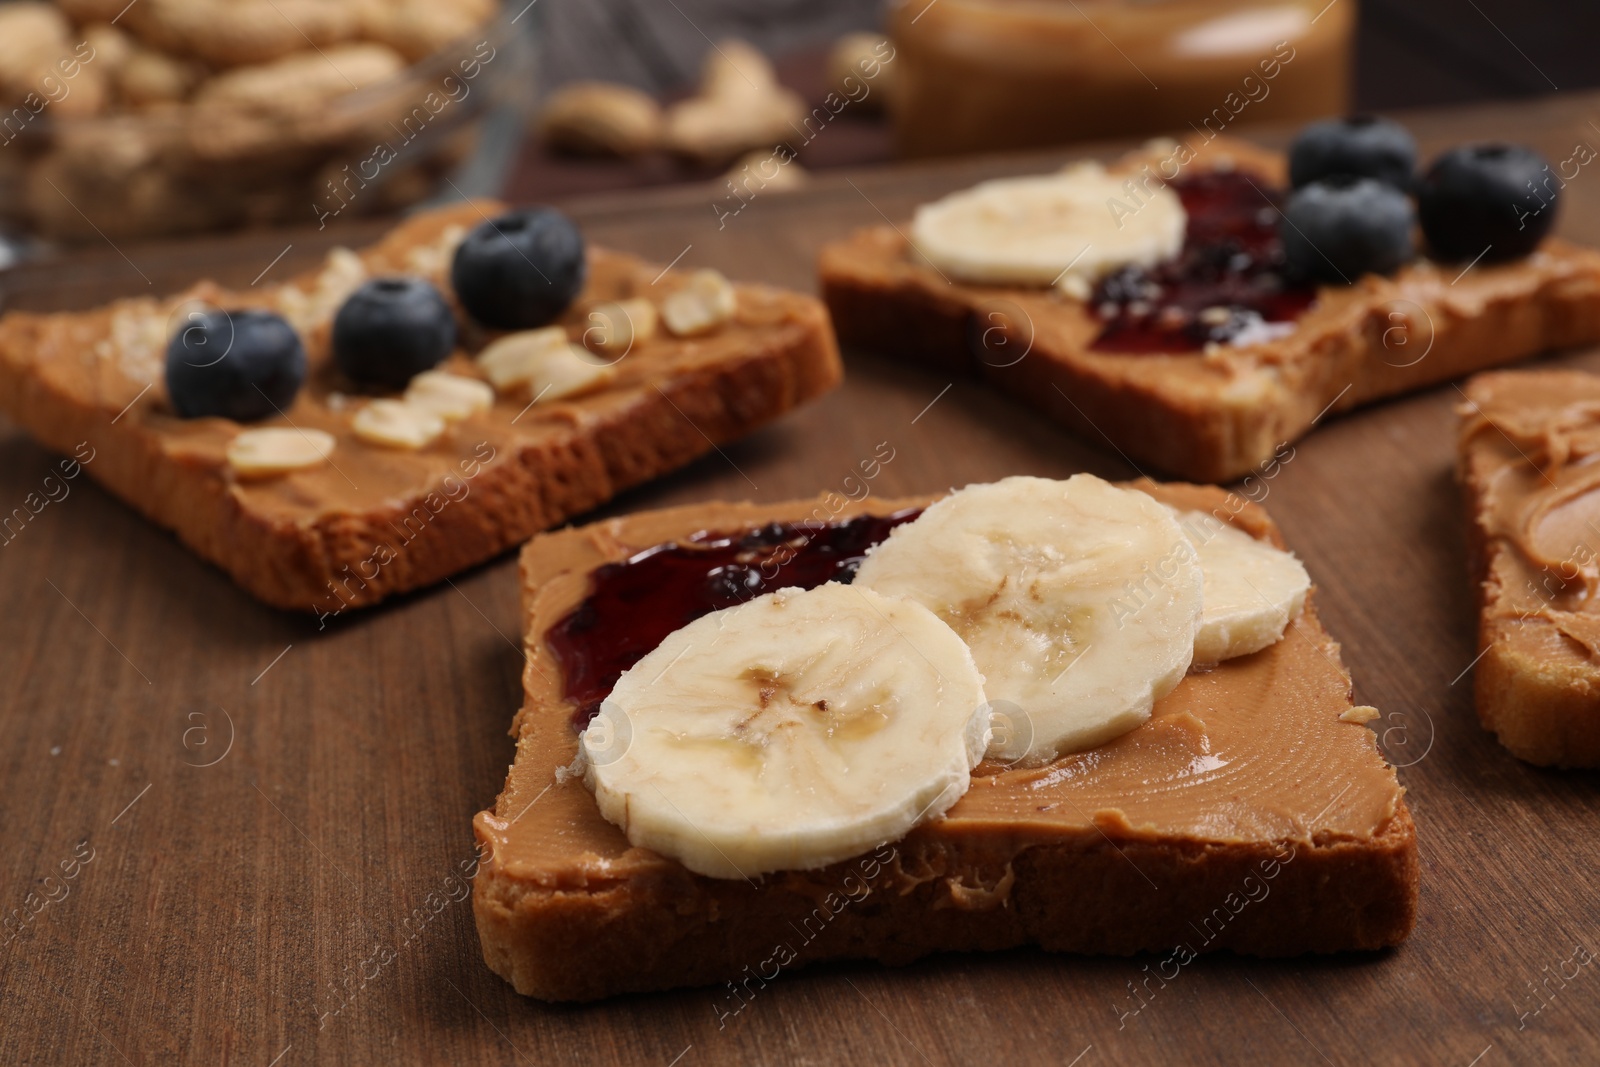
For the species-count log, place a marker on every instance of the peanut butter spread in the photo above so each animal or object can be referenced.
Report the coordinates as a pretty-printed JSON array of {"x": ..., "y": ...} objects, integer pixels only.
[
  {"x": 1255, "y": 750},
  {"x": 110, "y": 362},
  {"x": 1529, "y": 445}
]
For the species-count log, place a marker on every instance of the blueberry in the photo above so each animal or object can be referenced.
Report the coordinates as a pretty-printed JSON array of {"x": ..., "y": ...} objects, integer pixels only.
[
  {"x": 520, "y": 270},
  {"x": 392, "y": 329},
  {"x": 1340, "y": 228},
  {"x": 1484, "y": 196},
  {"x": 240, "y": 365},
  {"x": 1362, "y": 147}
]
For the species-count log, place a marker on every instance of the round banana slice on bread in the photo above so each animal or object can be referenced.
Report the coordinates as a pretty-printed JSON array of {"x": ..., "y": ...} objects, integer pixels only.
[
  {"x": 790, "y": 732},
  {"x": 1252, "y": 589},
  {"x": 1079, "y": 600},
  {"x": 1065, "y": 228}
]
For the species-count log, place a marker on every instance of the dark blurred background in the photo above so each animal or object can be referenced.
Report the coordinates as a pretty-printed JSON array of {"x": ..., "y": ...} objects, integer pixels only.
[
  {"x": 1406, "y": 53},
  {"x": 1420, "y": 52},
  {"x": 114, "y": 125}
]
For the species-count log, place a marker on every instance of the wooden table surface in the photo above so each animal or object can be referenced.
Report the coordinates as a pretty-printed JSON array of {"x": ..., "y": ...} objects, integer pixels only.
[{"x": 217, "y": 819}]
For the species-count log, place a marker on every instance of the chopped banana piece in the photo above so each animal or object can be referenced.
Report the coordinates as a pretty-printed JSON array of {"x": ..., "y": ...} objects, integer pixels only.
[
  {"x": 566, "y": 371},
  {"x": 449, "y": 396},
  {"x": 704, "y": 304},
  {"x": 397, "y": 424},
  {"x": 509, "y": 362},
  {"x": 277, "y": 450},
  {"x": 617, "y": 325}
]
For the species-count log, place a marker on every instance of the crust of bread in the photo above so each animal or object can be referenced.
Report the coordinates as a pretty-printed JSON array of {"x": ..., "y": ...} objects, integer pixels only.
[
  {"x": 1541, "y": 703},
  {"x": 305, "y": 564},
  {"x": 1216, "y": 416},
  {"x": 1081, "y": 897},
  {"x": 561, "y": 939},
  {"x": 1544, "y": 713}
]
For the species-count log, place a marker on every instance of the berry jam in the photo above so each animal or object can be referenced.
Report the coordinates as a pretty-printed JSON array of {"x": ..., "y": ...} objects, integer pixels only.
[
  {"x": 633, "y": 605},
  {"x": 1227, "y": 281}
]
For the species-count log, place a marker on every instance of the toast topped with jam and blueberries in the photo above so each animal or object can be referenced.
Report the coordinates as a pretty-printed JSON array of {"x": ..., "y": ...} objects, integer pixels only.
[{"x": 1197, "y": 304}]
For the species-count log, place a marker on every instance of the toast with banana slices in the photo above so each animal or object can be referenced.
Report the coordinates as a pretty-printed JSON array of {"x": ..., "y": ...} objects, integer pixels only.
[
  {"x": 1164, "y": 328},
  {"x": 693, "y": 672}
]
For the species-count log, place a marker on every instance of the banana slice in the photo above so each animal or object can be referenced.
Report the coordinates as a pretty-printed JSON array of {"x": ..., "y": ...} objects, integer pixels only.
[
  {"x": 790, "y": 732},
  {"x": 1252, "y": 589},
  {"x": 1069, "y": 228},
  {"x": 1080, "y": 601},
  {"x": 618, "y": 325}
]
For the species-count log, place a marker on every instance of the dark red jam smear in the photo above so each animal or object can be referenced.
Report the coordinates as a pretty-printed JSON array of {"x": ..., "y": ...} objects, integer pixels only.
[
  {"x": 633, "y": 605},
  {"x": 1228, "y": 277}
]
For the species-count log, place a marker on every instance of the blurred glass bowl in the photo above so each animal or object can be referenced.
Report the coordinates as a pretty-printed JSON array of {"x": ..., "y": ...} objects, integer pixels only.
[{"x": 290, "y": 157}]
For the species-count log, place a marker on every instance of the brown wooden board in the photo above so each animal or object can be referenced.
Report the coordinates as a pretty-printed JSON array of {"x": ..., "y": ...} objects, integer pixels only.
[{"x": 276, "y": 815}]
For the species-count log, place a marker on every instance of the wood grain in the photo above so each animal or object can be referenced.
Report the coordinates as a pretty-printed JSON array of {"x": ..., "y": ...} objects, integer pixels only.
[{"x": 275, "y": 813}]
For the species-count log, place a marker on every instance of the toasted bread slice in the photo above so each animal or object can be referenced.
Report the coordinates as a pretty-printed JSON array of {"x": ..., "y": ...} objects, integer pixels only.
[
  {"x": 1213, "y": 415},
  {"x": 374, "y": 521},
  {"x": 1528, "y": 441},
  {"x": 1251, "y": 812}
]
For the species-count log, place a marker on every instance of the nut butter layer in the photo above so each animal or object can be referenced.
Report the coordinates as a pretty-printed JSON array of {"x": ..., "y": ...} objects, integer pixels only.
[
  {"x": 1528, "y": 444},
  {"x": 1213, "y": 416},
  {"x": 373, "y": 521},
  {"x": 1243, "y": 769}
]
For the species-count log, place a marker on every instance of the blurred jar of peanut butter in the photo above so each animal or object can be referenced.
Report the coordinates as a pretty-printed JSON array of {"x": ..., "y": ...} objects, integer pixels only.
[{"x": 991, "y": 75}]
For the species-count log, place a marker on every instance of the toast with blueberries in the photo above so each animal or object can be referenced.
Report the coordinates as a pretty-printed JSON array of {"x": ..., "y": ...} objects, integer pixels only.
[
  {"x": 403, "y": 413},
  {"x": 1197, "y": 305}
]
